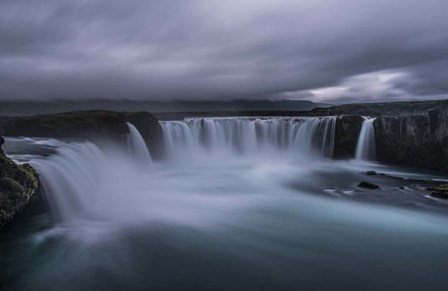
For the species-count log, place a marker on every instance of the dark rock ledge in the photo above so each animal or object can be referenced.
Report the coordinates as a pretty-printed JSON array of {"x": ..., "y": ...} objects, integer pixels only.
[
  {"x": 19, "y": 183},
  {"x": 93, "y": 125},
  {"x": 18, "y": 186}
]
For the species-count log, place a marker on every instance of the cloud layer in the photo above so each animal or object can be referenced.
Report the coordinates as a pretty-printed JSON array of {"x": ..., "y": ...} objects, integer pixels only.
[{"x": 322, "y": 50}]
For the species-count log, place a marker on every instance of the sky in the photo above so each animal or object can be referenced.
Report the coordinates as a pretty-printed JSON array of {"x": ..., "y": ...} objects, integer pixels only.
[{"x": 318, "y": 50}]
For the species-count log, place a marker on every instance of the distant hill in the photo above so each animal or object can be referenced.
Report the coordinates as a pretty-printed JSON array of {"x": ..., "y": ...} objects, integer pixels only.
[{"x": 33, "y": 108}]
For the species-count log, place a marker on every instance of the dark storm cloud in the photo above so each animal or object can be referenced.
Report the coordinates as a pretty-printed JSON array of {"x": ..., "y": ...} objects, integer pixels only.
[{"x": 324, "y": 50}]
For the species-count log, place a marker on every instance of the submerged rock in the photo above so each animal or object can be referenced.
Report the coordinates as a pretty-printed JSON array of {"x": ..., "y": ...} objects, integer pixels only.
[
  {"x": 18, "y": 185},
  {"x": 439, "y": 191},
  {"x": 371, "y": 173},
  {"x": 368, "y": 185}
]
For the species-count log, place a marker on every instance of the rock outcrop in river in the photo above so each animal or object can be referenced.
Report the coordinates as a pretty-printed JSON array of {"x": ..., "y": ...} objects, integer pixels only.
[{"x": 18, "y": 185}]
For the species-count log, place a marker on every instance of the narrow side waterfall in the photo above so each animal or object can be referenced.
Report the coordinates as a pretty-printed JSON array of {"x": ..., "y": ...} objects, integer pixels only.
[
  {"x": 365, "y": 149},
  {"x": 69, "y": 177},
  {"x": 304, "y": 135},
  {"x": 137, "y": 144}
]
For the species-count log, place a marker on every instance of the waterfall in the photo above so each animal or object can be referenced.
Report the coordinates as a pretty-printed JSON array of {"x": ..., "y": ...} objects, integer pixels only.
[
  {"x": 304, "y": 135},
  {"x": 79, "y": 174},
  {"x": 365, "y": 149},
  {"x": 69, "y": 177},
  {"x": 137, "y": 144}
]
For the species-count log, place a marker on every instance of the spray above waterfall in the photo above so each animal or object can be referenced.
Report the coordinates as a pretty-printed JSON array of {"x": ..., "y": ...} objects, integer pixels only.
[
  {"x": 304, "y": 135},
  {"x": 365, "y": 149}
]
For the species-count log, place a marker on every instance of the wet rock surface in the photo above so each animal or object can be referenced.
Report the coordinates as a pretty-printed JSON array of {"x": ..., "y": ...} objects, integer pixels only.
[
  {"x": 93, "y": 125},
  {"x": 348, "y": 128},
  {"x": 368, "y": 185},
  {"x": 414, "y": 140},
  {"x": 18, "y": 186},
  {"x": 440, "y": 191},
  {"x": 406, "y": 193},
  {"x": 411, "y": 134}
]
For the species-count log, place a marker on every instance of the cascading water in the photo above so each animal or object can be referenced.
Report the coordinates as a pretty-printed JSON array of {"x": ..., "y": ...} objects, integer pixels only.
[
  {"x": 233, "y": 221},
  {"x": 137, "y": 144},
  {"x": 69, "y": 177},
  {"x": 250, "y": 135},
  {"x": 365, "y": 149}
]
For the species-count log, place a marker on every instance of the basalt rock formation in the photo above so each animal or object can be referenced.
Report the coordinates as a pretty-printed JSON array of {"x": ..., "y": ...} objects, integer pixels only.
[
  {"x": 347, "y": 134},
  {"x": 18, "y": 186},
  {"x": 414, "y": 140},
  {"x": 93, "y": 125},
  {"x": 151, "y": 131},
  {"x": 411, "y": 134}
]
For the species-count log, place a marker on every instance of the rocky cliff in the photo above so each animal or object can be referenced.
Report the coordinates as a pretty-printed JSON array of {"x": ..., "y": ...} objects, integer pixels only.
[
  {"x": 411, "y": 134},
  {"x": 414, "y": 140},
  {"x": 348, "y": 128},
  {"x": 18, "y": 185},
  {"x": 92, "y": 125},
  {"x": 151, "y": 130}
]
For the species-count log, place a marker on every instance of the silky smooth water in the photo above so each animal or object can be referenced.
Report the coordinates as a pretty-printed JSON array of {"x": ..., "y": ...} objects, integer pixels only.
[
  {"x": 297, "y": 136},
  {"x": 218, "y": 220},
  {"x": 366, "y": 148},
  {"x": 137, "y": 145}
]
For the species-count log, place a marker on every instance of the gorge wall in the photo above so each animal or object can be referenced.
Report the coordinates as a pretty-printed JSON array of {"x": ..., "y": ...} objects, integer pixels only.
[
  {"x": 413, "y": 134},
  {"x": 92, "y": 125},
  {"x": 414, "y": 140},
  {"x": 348, "y": 128}
]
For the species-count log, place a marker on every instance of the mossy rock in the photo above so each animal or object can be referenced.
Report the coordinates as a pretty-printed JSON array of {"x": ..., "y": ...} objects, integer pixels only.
[
  {"x": 18, "y": 185},
  {"x": 9, "y": 184},
  {"x": 439, "y": 191}
]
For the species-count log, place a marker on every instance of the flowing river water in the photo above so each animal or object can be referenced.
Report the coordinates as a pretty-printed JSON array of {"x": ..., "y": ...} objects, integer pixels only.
[{"x": 239, "y": 204}]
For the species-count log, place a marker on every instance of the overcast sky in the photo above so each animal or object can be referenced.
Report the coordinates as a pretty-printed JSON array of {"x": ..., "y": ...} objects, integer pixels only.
[{"x": 320, "y": 50}]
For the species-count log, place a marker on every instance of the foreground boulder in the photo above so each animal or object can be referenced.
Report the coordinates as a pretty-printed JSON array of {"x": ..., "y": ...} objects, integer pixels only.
[
  {"x": 93, "y": 125},
  {"x": 18, "y": 186}
]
